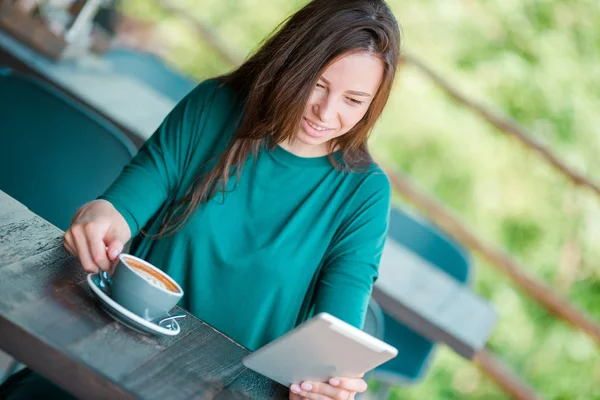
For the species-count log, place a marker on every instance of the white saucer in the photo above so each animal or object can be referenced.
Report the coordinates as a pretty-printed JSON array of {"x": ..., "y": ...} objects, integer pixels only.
[{"x": 125, "y": 316}]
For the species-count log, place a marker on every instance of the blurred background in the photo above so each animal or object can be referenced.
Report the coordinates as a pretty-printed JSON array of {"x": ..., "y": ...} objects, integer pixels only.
[
  {"x": 478, "y": 80},
  {"x": 534, "y": 61}
]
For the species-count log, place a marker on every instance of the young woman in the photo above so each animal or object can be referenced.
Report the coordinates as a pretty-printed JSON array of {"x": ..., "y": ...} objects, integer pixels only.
[{"x": 258, "y": 194}]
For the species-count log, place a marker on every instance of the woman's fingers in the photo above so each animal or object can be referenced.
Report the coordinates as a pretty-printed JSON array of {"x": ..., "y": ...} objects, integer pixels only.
[
  {"x": 95, "y": 240},
  {"x": 83, "y": 252},
  {"x": 336, "y": 388},
  {"x": 97, "y": 228},
  {"x": 294, "y": 396},
  {"x": 69, "y": 243},
  {"x": 321, "y": 391},
  {"x": 113, "y": 249},
  {"x": 351, "y": 384},
  {"x": 85, "y": 239}
]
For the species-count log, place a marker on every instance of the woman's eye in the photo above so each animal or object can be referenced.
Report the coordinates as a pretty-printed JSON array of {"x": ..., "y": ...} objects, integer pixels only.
[
  {"x": 355, "y": 101},
  {"x": 320, "y": 86}
]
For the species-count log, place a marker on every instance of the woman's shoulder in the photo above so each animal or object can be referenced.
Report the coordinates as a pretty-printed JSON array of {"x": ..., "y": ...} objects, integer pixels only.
[
  {"x": 371, "y": 178},
  {"x": 369, "y": 197},
  {"x": 377, "y": 182},
  {"x": 369, "y": 185}
]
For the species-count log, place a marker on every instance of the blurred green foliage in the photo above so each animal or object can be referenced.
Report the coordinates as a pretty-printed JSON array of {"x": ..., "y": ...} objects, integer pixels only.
[{"x": 537, "y": 61}]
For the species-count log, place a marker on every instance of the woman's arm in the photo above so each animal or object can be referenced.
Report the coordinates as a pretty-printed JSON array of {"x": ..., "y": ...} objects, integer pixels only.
[
  {"x": 347, "y": 278},
  {"x": 351, "y": 267},
  {"x": 101, "y": 228},
  {"x": 146, "y": 182}
]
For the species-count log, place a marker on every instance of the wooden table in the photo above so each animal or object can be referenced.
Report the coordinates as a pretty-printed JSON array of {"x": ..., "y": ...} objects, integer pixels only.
[
  {"x": 50, "y": 322},
  {"x": 431, "y": 302}
]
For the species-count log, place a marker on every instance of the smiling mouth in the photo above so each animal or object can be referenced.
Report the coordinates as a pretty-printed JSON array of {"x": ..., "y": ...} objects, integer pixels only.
[{"x": 316, "y": 127}]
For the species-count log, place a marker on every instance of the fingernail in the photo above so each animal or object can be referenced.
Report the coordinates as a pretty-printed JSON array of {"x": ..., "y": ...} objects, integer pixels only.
[
  {"x": 295, "y": 388},
  {"x": 114, "y": 253},
  {"x": 306, "y": 386},
  {"x": 334, "y": 381}
]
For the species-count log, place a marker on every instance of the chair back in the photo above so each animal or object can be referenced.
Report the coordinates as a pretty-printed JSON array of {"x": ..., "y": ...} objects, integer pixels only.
[
  {"x": 55, "y": 153},
  {"x": 433, "y": 246},
  {"x": 374, "y": 320}
]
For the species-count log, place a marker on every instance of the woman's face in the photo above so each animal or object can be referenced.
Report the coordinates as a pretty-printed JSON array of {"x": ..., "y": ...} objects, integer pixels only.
[{"x": 338, "y": 102}]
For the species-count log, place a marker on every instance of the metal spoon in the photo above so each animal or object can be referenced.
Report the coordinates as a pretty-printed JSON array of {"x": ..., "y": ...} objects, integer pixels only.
[
  {"x": 169, "y": 322},
  {"x": 104, "y": 280},
  {"x": 170, "y": 317}
]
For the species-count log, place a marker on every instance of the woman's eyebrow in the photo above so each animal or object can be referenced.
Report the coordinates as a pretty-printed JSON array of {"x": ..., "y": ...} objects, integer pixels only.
[{"x": 354, "y": 92}]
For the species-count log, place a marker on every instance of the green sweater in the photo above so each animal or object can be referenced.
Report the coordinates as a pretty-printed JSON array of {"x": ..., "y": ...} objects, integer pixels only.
[{"x": 295, "y": 237}]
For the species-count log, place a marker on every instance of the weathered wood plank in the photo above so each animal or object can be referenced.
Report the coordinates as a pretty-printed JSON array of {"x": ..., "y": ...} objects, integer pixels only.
[
  {"x": 26, "y": 238},
  {"x": 50, "y": 321},
  {"x": 7, "y": 202},
  {"x": 199, "y": 366},
  {"x": 251, "y": 385},
  {"x": 57, "y": 366},
  {"x": 69, "y": 315},
  {"x": 11, "y": 211},
  {"x": 115, "y": 350},
  {"x": 104, "y": 348},
  {"x": 12, "y": 215},
  {"x": 36, "y": 277},
  {"x": 63, "y": 317}
]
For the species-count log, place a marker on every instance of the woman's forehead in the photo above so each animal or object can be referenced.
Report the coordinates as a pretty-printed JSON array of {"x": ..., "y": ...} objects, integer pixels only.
[{"x": 355, "y": 72}]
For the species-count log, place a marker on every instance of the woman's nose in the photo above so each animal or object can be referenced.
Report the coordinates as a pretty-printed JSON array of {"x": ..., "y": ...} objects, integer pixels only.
[{"x": 325, "y": 109}]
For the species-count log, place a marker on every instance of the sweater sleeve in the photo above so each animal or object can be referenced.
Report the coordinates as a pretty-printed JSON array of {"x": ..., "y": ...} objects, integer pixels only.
[
  {"x": 351, "y": 267},
  {"x": 146, "y": 182}
]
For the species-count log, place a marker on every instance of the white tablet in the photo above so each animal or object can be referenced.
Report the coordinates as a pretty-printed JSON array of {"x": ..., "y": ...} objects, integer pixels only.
[{"x": 317, "y": 350}]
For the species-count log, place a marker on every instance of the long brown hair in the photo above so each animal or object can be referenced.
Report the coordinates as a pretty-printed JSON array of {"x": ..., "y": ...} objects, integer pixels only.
[{"x": 277, "y": 81}]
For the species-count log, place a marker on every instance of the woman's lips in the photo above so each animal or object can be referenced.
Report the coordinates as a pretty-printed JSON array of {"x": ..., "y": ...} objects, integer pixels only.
[{"x": 312, "y": 131}]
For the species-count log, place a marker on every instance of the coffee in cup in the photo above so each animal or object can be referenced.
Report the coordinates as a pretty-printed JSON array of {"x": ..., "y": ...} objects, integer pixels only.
[
  {"x": 143, "y": 289},
  {"x": 150, "y": 275}
]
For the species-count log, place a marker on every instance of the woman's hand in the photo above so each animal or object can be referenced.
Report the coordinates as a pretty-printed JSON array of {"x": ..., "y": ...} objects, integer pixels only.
[
  {"x": 336, "y": 389},
  {"x": 97, "y": 235}
]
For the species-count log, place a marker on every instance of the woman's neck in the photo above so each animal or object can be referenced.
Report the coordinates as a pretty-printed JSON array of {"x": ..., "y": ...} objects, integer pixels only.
[{"x": 301, "y": 149}]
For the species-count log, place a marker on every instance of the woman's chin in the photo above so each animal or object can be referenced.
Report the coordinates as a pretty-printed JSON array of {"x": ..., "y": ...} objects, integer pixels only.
[{"x": 311, "y": 140}]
